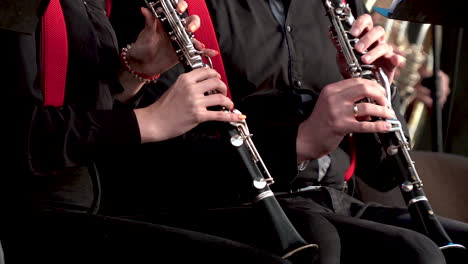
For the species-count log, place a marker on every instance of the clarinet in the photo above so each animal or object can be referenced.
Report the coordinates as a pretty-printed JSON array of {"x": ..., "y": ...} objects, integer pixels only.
[
  {"x": 394, "y": 143},
  {"x": 291, "y": 245}
]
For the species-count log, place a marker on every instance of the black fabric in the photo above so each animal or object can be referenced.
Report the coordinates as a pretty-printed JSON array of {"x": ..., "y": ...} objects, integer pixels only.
[
  {"x": 49, "y": 181},
  {"x": 432, "y": 12},
  {"x": 48, "y": 140},
  {"x": 19, "y": 15},
  {"x": 275, "y": 73},
  {"x": 275, "y": 78},
  {"x": 278, "y": 10},
  {"x": 67, "y": 237},
  {"x": 346, "y": 230}
]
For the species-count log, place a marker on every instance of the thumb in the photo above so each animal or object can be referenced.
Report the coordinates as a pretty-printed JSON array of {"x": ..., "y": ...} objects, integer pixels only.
[{"x": 150, "y": 19}]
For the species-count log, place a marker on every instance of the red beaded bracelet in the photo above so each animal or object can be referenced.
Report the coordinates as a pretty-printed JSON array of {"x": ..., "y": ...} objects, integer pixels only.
[{"x": 138, "y": 75}]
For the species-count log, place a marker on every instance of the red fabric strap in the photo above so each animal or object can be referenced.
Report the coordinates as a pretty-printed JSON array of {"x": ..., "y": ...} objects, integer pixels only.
[
  {"x": 206, "y": 35},
  {"x": 352, "y": 149},
  {"x": 352, "y": 166},
  {"x": 54, "y": 48},
  {"x": 108, "y": 7}
]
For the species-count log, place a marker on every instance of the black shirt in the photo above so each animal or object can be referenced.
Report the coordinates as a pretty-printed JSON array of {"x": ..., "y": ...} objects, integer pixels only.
[
  {"x": 43, "y": 143},
  {"x": 275, "y": 71}
]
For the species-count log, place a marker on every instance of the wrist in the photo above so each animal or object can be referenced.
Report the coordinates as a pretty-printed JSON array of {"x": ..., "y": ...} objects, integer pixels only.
[
  {"x": 305, "y": 149},
  {"x": 127, "y": 61},
  {"x": 131, "y": 86},
  {"x": 301, "y": 149},
  {"x": 146, "y": 124}
]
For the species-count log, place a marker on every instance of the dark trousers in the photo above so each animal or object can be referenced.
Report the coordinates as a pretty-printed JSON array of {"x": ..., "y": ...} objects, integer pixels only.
[
  {"x": 369, "y": 232},
  {"x": 2, "y": 260},
  {"x": 68, "y": 237},
  {"x": 346, "y": 230}
]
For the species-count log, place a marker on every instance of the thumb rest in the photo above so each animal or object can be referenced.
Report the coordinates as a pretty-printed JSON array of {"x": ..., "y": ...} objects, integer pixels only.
[
  {"x": 394, "y": 142},
  {"x": 290, "y": 245}
]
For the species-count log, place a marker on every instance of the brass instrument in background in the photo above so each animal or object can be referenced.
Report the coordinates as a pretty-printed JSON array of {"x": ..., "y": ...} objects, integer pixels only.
[
  {"x": 409, "y": 76},
  {"x": 417, "y": 55}
]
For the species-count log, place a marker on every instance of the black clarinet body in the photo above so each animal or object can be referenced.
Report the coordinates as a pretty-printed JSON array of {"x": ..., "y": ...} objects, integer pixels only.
[
  {"x": 290, "y": 245},
  {"x": 394, "y": 143}
]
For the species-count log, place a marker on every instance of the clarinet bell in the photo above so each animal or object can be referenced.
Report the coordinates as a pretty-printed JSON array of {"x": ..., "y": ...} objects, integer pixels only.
[
  {"x": 305, "y": 254},
  {"x": 455, "y": 253}
]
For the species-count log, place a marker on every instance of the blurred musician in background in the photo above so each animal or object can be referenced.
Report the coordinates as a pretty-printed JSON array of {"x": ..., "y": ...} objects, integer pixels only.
[{"x": 414, "y": 42}]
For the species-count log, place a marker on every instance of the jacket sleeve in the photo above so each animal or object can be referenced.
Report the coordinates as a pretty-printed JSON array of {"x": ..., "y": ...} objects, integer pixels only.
[
  {"x": 49, "y": 137},
  {"x": 274, "y": 121}
]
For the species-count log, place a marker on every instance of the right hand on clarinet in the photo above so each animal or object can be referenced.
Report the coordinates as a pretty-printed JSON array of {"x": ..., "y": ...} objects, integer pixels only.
[
  {"x": 336, "y": 114},
  {"x": 339, "y": 110}
]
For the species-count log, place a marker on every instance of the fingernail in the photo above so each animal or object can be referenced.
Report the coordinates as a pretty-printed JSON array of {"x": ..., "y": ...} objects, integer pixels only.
[
  {"x": 192, "y": 28},
  {"x": 181, "y": 8},
  {"x": 367, "y": 58},
  {"x": 359, "y": 46},
  {"x": 388, "y": 126},
  {"x": 219, "y": 76},
  {"x": 203, "y": 45},
  {"x": 355, "y": 32},
  {"x": 217, "y": 52},
  {"x": 242, "y": 117}
]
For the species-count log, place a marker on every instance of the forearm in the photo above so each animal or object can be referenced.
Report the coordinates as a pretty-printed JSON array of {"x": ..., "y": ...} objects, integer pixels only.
[
  {"x": 308, "y": 144},
  {"x": 131, "y": 86},
  {"x": 131, "y": 77}
]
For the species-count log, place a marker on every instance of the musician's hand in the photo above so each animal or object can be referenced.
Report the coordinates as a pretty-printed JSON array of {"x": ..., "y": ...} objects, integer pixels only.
[
  {"x": 333, "y": 116},
  {"x": 423, "y": 94},
  {"x": 184, "y": 105},
  {"x": 152, "y": 53},
  {"x": 205, "y": 51},
  {"x": 372, "y": 41}
]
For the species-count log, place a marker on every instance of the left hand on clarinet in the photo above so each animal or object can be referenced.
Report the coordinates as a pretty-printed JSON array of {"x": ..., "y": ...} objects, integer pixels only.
[
  {"x": 372, "y": 41},
  {"x": 153, "y": 52}
]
